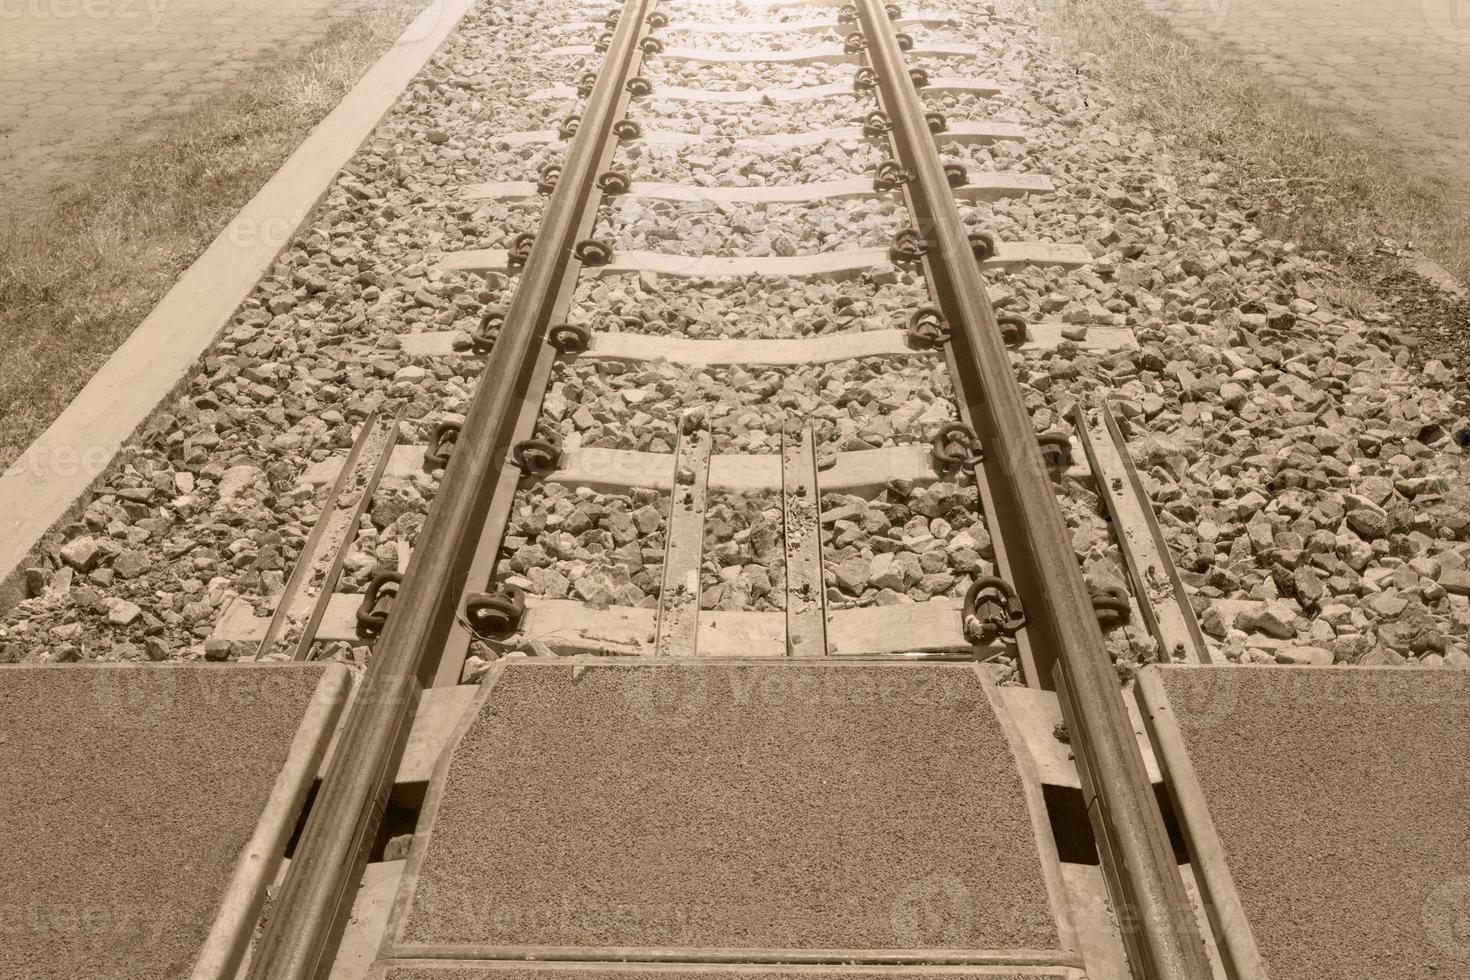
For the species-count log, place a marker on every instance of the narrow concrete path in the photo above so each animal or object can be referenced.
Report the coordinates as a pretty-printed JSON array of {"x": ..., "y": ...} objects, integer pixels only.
[
  {"x": 78, "y": 75},
  {"x": 1398, "y": 68}
]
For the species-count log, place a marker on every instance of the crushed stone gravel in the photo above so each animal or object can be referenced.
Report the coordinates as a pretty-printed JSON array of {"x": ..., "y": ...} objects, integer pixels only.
[{"x": 853, "y": 405}]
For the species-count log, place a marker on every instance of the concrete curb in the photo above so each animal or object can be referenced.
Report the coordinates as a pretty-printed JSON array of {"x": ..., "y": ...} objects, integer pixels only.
[{"x": 47, "y": 483}]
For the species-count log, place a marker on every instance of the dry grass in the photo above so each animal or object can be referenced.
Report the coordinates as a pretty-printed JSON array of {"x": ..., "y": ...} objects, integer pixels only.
[
  {"x": 76, "y": 282},
  {"x": 1312, "y": 183}
]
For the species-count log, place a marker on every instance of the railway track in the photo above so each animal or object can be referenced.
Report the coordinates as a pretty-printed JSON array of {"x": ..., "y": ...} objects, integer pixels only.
[
  {"x": 763, "y": 619},
  {"x": 461, "y": 594}
]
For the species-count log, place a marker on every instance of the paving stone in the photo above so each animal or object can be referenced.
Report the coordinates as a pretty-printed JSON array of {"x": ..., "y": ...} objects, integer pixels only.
[
  {"x": 49, "y": 135},
  {"x": 1402, "y": 55}
]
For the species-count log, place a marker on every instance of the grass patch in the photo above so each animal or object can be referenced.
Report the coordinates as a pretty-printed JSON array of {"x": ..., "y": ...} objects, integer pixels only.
[
  {"x": 1309, "y": 182},
  {"x": 75, "y": 282}
]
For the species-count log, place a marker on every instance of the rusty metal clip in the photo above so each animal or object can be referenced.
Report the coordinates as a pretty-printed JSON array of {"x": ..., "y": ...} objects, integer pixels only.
[
  {"x": 569, "y": 338},
  {"x": 568, "y": 127},
  {"x": 441, "y": 444},
  {"x": 955, "y": 445},
  {"x": 908, "y": 246},
  {"x": 982, "y": 243},
  {"x": 481, "y": 341},
  {"x": 586, "y": 84},
  {"x": 650, "y": 45},
  {"x": 956, "y": 174},
  {"x": 657, "y": 20},
  {"x": 927, "y": 328},
  {"x": 614, "y": 182},
  {"x": 537, "y": 457},
  {"x": 495, "y": 613},
  {"x": 992, "y": 610},
  {"x": 936, "y": 122},
  {"x": 1112, "y": 607},
  {"x": 593, "y": 251},
  {"x": 603, "y": 43},
  {"x": 877, "y": 123},
  {"x": 377, "y": 602},
  {"x": 854, "y": 43},
  {"x": 905, "y": 41},
  {"x": 919, "y": 77},
  {"x": 1014, "y": 331},
  {"x": 627, "y": 129},
  {"x": 638, "y": 86},
  {"x": 892, "y": 10},
  {"x": 550, "y": 174},
  {"x": 864, "y": 79},
  {"x": 1056, "y": 450},
  {"x": 520, "y": 248},
  {"x": 847, "y": 15},
  {"x": 890, "y": 177}
]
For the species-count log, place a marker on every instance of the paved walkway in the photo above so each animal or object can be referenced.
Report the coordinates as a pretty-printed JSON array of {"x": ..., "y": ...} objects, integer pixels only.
[
  {"x": 77, "y": 75},
  {"x": 1397, "y": 67}
]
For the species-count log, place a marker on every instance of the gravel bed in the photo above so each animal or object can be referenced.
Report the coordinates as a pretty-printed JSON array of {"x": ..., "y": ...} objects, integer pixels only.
[
  {"x": 719, "y": 160},
  {"x": 852, "y": 405},
  {"x": 663, "y": 71},
  {"x": 753, "y": 229},
  {"x": 745, "y": 560},
  {"x": 574, "y": 543},
  {"x": 739, "y": 13},
  {"x": 1299, "y": 454},
  {"x": 802, "y": 41},
  {"x": 767, "y": 41},
  {"x": 907, "y": 545},
  {"x": 758, "y": 310},
  {"x": 1435, "y": 324},
  {"x": 742, "y": 121}
]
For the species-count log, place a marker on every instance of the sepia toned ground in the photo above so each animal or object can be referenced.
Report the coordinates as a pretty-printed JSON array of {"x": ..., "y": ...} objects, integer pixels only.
[
  {"x": 1398, "y": 69},
  {"x": 78, "y": 77},
  {"x": 130, "y": 132}
]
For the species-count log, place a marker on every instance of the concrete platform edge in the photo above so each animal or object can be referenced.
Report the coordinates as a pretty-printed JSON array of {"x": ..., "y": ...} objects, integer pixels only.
[{"x": 48, "y": 482}]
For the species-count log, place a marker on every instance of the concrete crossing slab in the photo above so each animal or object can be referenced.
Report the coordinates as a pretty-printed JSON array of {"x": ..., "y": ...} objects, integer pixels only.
[
  {"x": 1325, "y": 810},
  {"x": 146, "y": 809},
  {"x": 710, "y": 811},
  {"x": 425, "y": 970}
]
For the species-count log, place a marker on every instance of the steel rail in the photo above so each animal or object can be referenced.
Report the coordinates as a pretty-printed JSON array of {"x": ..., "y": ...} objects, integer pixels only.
[
  {"x": 308, "y": 916},
  {"x": 1157, "y": 919},
  {"x": 481, "y": 566}
]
